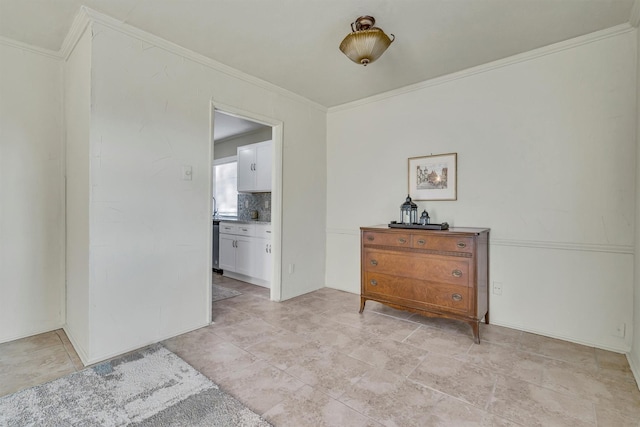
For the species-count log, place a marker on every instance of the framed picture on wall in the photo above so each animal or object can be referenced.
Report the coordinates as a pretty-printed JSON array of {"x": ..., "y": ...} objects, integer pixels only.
[{"x": 433, "y": 177}]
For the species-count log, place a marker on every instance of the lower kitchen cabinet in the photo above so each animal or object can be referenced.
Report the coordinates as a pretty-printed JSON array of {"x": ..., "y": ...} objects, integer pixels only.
[{"x": 245, "y": 252}]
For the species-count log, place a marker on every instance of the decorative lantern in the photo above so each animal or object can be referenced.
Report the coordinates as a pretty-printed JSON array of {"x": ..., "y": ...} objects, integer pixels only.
[
  {"x": 408, "y": 212},
  {"x": 424, "y": 218}
]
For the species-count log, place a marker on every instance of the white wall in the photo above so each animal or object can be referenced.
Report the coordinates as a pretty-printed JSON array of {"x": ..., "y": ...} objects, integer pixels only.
[
  {"x": 546, "y": 159},
  {"x": 31, "y": 193},
  {"x": 634, "y": 356},
  {"x": 77, "y": 108},
  {"x": 149, "y": 267}
]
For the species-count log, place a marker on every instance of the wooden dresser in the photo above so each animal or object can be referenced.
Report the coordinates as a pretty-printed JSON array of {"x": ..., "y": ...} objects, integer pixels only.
[{"x": 434, "y": 273}]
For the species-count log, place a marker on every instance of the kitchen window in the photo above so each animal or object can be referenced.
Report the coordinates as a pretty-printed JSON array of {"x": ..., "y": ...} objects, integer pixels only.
[{"x": 225, "y": 183}]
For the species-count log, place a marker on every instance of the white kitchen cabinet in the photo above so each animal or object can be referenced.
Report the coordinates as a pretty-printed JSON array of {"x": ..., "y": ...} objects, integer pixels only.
[
  {"x": 245, "y": 252},
  {"x": 254, "y": 167},
  {"x": 264, "y": 260}
]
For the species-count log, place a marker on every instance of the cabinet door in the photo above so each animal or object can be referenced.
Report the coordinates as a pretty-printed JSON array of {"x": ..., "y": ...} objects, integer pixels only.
[
  {"x": 227, "y": 252},
  {"x": 244, "y": 255},
  {"x": 263, "y": 167},
  {"x": 263, "y": 259},
  {"x": 246, "y": 166}
]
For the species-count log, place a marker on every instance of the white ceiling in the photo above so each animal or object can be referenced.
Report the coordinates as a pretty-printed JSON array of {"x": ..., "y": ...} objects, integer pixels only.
[
  {"x": 294, "y": 43},
  {"x": 227, "y": 126}
]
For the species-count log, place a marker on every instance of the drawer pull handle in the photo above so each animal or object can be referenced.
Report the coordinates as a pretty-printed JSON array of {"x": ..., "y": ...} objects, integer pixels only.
[
  {"x": 370, "y": 238},
  {"x": 374, "y": 262},
  {"x": 421, "y": 242},
  {"x": 456, "y": 297},
  {"x": 456, "y": 273},
  {"x": 401, "y": 240},
  {"x": 374, "y": 282},
  {"x": 462, "y": 245}
]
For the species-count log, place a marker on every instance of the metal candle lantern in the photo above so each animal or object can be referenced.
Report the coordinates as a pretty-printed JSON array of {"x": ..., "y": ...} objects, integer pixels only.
[
  {"x": 424, "y": 218},
  {"x": 408, "y": 212}
]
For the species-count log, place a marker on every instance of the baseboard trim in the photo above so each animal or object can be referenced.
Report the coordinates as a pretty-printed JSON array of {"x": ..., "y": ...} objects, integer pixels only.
[
  {"x": 635, "y": 369},
  {"x": 31, "y": 332}
]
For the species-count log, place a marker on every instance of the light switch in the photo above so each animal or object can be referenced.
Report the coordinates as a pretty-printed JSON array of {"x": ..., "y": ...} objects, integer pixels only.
[{"x": 187, "y": 173}]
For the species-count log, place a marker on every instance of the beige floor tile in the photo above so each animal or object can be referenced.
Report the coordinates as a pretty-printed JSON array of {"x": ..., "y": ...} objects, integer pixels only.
[
  {"x": 246, "y": 333},
  {"x": 260, "y": 386},
  {"x": 26, "y": 345},
  {"x": 389, "y": 311},
  {"x": 558, "y": 349},
  {"x": 340, "y": 337},
  {"x": 286, "y": 350},
  {"x": 452, "y": 412},
  {"x": 506, "y": 360},
  {"x": 391, "y": 399},
  {"x": 436, "y": 340},
  {"x": 455, "y": 378},
  {"x": 614, "y": 365},
  {"x": 22, "y": 370},
  {"x": 382, "y": 367},
  {"x": 310, "y": 407},
  {"x": 394, "y": 356},
  {"x": 223, "y": 315},
  {"x": 330, "y": 371},
  {"x": 374, "y": 323},
  {"x": 73, "y": 355},
  {"x": 608, "y": 416},
  {"x": 532, "y": 405},
  {"x": 499, "y": 334}
]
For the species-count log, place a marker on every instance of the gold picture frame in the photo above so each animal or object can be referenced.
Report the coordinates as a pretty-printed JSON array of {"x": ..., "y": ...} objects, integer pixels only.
[{"x": 434, "y": 177}]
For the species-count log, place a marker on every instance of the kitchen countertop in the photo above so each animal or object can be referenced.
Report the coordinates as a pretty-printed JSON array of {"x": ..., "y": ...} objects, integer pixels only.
[{"x": 239, "y": 221}]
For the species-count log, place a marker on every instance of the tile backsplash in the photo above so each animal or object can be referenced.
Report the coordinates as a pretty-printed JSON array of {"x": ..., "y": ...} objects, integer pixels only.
[{"x": 248, "y": 202}]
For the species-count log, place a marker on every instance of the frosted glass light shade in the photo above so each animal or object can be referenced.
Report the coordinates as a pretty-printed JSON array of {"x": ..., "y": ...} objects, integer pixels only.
[{"x": 365, "y": 43}]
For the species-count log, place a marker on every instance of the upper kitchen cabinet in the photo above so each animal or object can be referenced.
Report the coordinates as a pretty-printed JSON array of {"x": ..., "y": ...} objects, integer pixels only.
[{"x": 254, "y": 168}]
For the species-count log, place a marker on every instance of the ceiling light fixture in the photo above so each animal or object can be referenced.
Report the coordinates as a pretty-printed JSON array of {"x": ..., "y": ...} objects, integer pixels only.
[{"x": 365, "y": 43}]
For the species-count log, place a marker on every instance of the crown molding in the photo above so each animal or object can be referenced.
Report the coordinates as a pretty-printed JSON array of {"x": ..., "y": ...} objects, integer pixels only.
[
  {"x": 501, "y": 63},
  {"x": 634, "y": 18},
  {"x": 80, "y": 23},
  {"x": 86, "y": 16},
  {"x": 33, "y": 49}
]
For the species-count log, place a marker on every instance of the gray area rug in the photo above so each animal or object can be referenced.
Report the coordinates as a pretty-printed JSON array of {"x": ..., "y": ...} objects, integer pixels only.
[
  {"x": 220, "y": 292},
  {"x": 150, "y": 387}
]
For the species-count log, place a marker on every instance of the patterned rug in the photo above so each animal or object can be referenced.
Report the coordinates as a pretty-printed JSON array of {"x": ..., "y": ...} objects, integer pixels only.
[
  {"x": 220, "y": 292},
  {"x": 150, "y": 387}
]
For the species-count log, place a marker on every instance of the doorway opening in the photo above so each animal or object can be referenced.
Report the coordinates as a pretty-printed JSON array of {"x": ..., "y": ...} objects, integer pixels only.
[{"x": 246, "y": 185}]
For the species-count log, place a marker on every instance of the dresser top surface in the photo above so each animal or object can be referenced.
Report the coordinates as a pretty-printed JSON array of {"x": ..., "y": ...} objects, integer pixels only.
[{"x": 450, "y": 231}]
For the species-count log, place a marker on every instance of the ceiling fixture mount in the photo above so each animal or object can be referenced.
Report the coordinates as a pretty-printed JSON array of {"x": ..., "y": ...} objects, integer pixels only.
[{"x": 365, "y": 43}]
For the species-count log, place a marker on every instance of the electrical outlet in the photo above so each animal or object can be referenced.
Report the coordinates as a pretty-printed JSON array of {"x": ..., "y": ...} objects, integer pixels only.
[
  {"x": 620, "y": 330},
  {"x": 292, "y": 268},
  {"x": 497, "y": 288}
]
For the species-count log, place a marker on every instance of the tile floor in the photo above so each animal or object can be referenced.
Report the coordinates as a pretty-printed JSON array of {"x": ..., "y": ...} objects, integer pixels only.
[{"x": 314, "y": 361}]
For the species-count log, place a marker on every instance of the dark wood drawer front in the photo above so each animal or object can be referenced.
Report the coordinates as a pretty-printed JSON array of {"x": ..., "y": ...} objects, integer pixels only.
[
  {"x": 434, "y": 268},
  {"x": 387, "y": 239},
  {"x": 416, "y": 293},
  {"x": 442, "y": 243}
]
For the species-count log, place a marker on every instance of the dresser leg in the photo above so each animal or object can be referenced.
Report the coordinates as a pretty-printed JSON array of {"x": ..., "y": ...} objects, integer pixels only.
[
  {"x": 476, "y": 331},
  {"x": 362, "y": 301},
  {"x": 486, "y": 318}
]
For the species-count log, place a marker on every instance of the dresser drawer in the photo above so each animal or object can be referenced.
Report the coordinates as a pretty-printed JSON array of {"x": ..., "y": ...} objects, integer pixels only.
[
  {"x": 442, "y": 243},
  {"x": 451, "y": 270},
  {"x": 387, "y": 239},
  {"x": 416, "y": 293}
]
